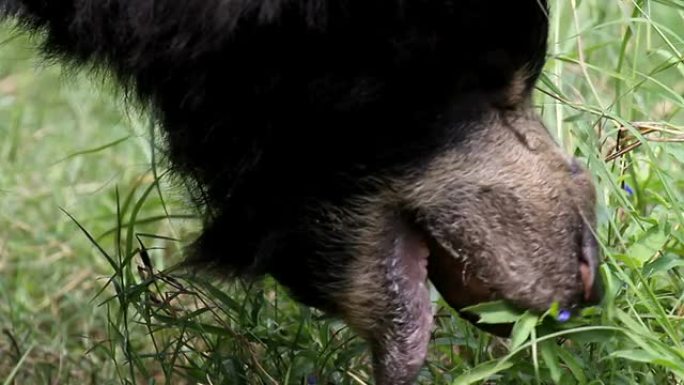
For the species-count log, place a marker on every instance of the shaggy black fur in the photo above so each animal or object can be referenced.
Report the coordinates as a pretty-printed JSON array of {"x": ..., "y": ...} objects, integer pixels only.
[{"x": 268, "y": 104}]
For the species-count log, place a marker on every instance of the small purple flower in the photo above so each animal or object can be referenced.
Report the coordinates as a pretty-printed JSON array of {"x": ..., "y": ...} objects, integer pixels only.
[
  {"x": 628, "y": 189},
  {"x": 563, "y": 316},
  {"x": 311, "y": 379}
]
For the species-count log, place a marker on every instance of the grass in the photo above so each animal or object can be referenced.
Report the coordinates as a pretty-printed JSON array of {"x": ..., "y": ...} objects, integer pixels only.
[{"x": 76, "y": 163}]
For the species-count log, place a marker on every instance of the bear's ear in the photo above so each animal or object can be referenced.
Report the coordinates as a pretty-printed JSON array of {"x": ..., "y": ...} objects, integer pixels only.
[{"x": 518, "y": 91}]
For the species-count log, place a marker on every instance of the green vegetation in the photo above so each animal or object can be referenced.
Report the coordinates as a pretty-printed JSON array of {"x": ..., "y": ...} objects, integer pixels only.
[{"x": 75, "y": 310}]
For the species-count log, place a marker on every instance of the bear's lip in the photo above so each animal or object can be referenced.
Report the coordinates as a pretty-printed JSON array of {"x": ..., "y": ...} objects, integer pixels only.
[
  {"x": 458, "y": 288},
  {"x": 461, "y": 289}
]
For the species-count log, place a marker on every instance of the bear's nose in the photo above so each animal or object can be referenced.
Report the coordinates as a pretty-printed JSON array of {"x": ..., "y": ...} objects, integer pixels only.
[{"x": 589, "y": 257}]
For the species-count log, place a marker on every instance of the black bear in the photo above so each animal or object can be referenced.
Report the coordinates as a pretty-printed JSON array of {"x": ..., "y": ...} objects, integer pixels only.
[{"x": 354, "y": 149}]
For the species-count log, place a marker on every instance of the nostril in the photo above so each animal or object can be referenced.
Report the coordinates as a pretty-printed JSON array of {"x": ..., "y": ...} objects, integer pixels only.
[
  {"x": 588, "y": 267},
  {"x": 587, "y": 276}
]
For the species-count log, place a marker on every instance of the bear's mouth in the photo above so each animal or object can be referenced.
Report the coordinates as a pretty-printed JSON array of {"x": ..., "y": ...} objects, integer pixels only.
[
  {"x": 460, "y": 288},
  {"x": 457, "y": 282}
]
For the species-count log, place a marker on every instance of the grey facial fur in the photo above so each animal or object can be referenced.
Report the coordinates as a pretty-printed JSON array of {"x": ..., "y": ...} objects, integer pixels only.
[{"x": 501, "y": 214}]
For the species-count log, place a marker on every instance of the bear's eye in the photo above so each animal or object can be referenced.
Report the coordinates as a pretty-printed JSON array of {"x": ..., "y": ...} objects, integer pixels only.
[{"x": 575, "y": 167}]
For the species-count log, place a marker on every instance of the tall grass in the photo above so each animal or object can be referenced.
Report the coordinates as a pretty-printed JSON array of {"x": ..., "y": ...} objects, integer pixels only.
[{"x": 90, "y": 230}]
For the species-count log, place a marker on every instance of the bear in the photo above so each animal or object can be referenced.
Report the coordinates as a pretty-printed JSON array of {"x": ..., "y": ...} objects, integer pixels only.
[{"x": 354, "y": 150}]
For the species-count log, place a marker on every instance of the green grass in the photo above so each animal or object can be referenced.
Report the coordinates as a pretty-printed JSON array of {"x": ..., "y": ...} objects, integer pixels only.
[{"x": 74, "y": 313}]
